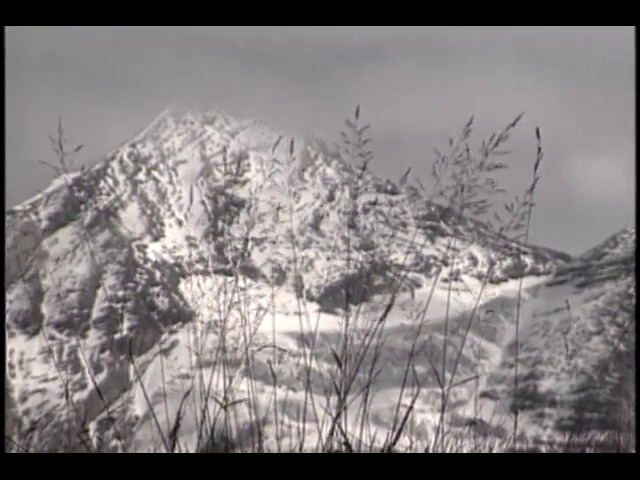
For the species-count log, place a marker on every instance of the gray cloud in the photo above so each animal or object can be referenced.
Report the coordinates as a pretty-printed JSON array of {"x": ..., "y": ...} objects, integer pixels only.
[{"x": 417, "y": 86}]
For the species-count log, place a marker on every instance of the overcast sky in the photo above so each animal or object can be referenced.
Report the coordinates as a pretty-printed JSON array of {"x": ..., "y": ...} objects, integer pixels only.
[{"x": 416, "y": 86}]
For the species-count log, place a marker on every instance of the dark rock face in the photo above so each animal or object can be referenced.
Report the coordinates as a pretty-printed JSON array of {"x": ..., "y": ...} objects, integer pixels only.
[{"x": 354, "y": 289}]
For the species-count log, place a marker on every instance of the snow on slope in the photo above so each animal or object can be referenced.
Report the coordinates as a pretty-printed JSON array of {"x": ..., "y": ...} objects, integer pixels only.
[
  {"x": 137, "y": 255},
  {"x": 562, "y": 351},
  {"x": 280, "y": 326}
]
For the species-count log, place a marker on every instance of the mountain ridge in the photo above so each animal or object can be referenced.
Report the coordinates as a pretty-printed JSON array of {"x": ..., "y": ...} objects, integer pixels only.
[{"x": 123, "y": 254}]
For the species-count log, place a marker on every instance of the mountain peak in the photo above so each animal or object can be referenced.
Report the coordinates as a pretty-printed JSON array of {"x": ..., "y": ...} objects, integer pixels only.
[
  {"x": 620, "y": 244},
  {"x": 139, "y": 247}
]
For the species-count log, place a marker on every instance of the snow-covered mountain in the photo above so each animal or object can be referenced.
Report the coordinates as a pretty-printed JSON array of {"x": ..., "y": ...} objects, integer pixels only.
[{"x": 121, "y": 280}]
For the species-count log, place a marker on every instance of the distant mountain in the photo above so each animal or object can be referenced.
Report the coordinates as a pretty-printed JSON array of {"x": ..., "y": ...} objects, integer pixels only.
[{"x": 110, "y": 271}]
